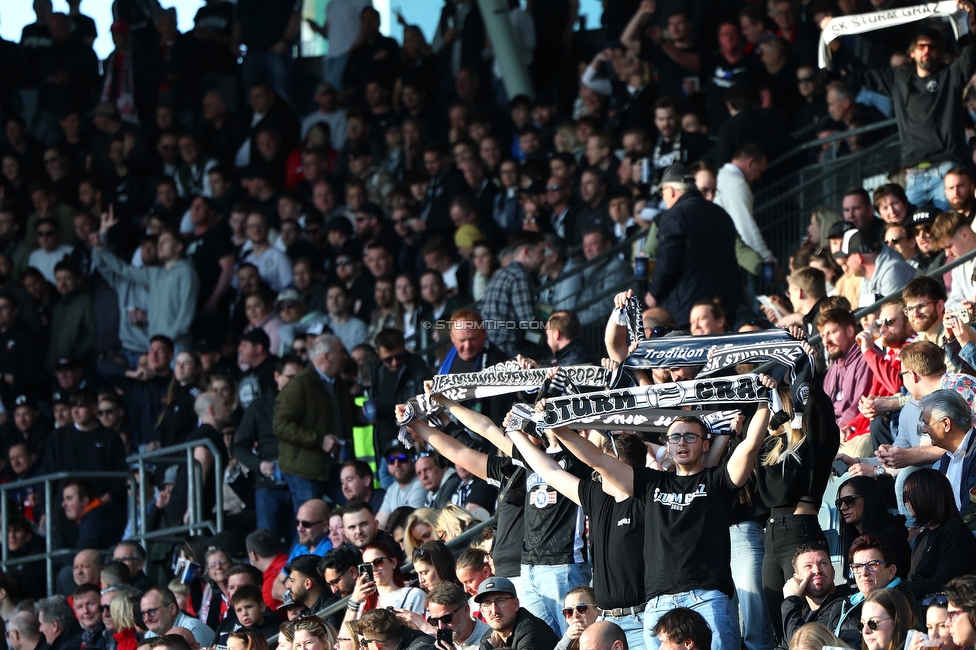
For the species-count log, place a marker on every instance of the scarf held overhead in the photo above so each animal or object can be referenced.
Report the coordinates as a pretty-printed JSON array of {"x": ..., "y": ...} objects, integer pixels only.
[{"x": 861, "y": 23}]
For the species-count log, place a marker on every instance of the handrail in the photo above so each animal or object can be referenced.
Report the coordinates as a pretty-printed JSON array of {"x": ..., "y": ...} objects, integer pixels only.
[
  {"x": 194, "y": 499},
  {"x": 843, "y": 135},
  {"x": 47, "y": 479},
  {"x": 459, "y": 543}
]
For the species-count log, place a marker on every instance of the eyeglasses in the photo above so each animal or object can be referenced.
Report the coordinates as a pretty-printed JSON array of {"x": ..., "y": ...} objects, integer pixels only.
[
  {"x": 871, "y": 566},
  {"x": 675, "y": 438},
  {"x": 398, "y": 458},
  {"x": 302, "y": 523},
  {"x": 871, "y": 623},
  {"x": 103, "y": 412},
  {"x": 846, "y": 502},
  {"x": 952, "y": 614},
  {"x": 437, "y": 621},
  {"x": 378, "y": 562},
  {"x": 488, "y": 604},
  {"x": 216, "y": 564},
  {"x": 581, "y": 608},
  {"x": 917, "y": 307},
  {"x": 939, "y": 599},
  {"x": 888, "y": 322},
  {"x": 365, "y": 642},
  {"x": 894, "y": 241},
  {"x": 151, "y": 613},
  {"x": 394, "y": 357},
  {"x": 335, "y": 584},
  {"x": 553, "y": 188},
  {"x": 339, "y": 640},
  {"x": 105, "y": 609},
  {"x": 45, "y": 233}
]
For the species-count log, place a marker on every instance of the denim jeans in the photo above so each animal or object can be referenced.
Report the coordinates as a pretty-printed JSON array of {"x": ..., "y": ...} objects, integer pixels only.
[
  {"x": 633, "y": 627},
  {"x": 717, "y": 609},
  {"x": 273, "y": 509},
  {"x": 545, "y": 587},
  {"x": 747, "y": 557},
  {"x": 302, "y": 490},
  {"x": 271, "y": 67},
  {"x": 332, "y": 69},
  {"x": 928, "y": 185}
]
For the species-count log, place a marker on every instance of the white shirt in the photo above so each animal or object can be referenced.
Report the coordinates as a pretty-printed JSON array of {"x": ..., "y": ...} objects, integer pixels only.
[
  {"x": 963, "y": 287},
  {"x": 274, "y": 267},
  {"x": 45, "y": 262},
  {"x": 954, "y": 471},
  {"x": 450, "y": 277},
  {"x": 735, "y": 195},
  {"x": 342, "y": 16},
  {"x": 337, "y": 126}
]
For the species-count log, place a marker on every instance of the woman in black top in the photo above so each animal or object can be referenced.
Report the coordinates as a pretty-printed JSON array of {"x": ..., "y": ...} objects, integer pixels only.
[
  {"x": 945, "y": 548},
  {"x": 792, "y": 472},
  {"x": 864, "y": 512}
]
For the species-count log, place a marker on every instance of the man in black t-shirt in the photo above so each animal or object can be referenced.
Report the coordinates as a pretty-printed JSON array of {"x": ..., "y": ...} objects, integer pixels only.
[
  {"x": 616, "y": 530},
  {"x": 212, "y": 254},
  {"x": 687, "y": 551}
]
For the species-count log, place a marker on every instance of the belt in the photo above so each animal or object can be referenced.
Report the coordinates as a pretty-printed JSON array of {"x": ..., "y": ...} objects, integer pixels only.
[{"x": 623, "y": 611}]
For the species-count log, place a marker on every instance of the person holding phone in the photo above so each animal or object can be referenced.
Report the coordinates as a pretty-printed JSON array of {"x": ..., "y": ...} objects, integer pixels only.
[
  {"x": 381, "y": 584},
  {"x": 450, "y": 620}
]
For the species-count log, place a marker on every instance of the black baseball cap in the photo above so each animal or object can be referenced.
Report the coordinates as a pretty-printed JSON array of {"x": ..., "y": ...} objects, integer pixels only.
[
  {"x": 922, "y": 215},
  {"x": 858, "y": 241},
  {"x": 258, "y": 336},
  {"x": 838, "y": 229}
]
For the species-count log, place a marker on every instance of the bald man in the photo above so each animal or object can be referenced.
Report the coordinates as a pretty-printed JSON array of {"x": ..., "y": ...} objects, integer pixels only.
[
  {"x": 312, "y": 522},
  {"x": 187, "y": 635},
  {"x": 603, "y": 635}
]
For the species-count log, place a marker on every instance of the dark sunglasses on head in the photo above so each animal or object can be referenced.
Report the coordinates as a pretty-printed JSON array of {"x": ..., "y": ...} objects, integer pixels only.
[
  {"x": 940, "y": 600},
  {"x": 847, "y": 502},
  {"x": 581, "y": 608}
]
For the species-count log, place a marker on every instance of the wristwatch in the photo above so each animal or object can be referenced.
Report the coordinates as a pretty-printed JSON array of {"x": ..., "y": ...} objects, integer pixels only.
[{"x": 879, "y": 471}]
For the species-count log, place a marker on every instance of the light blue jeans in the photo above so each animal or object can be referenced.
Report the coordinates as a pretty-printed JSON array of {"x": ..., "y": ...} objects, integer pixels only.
[
  {"x": 717, "y": 609},
  {"x": 924, "y": 186},
  {"x": 545, "y": 587},
  {"x": 633, "y": 627},
  {"x": 748, "y": 544}
]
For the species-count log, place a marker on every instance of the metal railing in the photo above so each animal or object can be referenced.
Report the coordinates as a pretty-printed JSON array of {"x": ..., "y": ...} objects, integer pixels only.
[
  {"x": 831, "y": 139},
  {"x": 50, "y": 553},
  {"x": 199, "y": 520}
]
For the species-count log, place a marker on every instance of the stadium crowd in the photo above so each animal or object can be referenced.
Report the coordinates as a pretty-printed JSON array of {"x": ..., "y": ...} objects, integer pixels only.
[{"x": 199, "y": 247}]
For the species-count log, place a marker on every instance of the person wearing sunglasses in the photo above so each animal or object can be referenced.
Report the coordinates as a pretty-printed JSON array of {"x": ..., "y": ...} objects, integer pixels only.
[
  {"x": 961, "y": 610},
  {"x": 896, "y": 237},
  {"x": 886, "y": 618},
  {"x": 580, "y": 611},
  {"x": 386, "y": 588},
  {"x": 382, "y": 629},
  {"x": 863, "y": 510},
  {"x": 512, "y": 625},
  {"x": 398, "y": 376},
  {"x": 937, "y": 623},
  {"x": 448, "y": 608}
]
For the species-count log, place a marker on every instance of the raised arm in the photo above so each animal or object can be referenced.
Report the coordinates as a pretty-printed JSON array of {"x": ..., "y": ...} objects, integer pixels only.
[
  {"x": 546, "y": 467},
  {"x": 620, "y": 474},
  {"x": 744, "y": 457},
  {"x": 475, "y": 462},
  {"x": 631, "y": 36},
  {"x": 477, "y": 422}
]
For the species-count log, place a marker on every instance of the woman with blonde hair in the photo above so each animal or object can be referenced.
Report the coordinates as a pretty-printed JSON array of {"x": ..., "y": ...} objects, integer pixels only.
[
  {"x": 346, "y": 638},
  {"x": 815, "y": 636},
  {"x": 821, "y": 220},
  {"x": 246, "y": 638},
  {"x": 312, "y": 633},
  {"x": 420, "y": 528},
  {"x": 123, "y": 620},
  {"x": 452, "y": 521},
  {"x": 286, "y": 635}
]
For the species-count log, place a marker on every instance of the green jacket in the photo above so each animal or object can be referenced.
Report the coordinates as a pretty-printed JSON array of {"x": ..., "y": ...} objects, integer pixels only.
[
  {"x": 72, "y": 329},
  {"x": 303, "y": 415}
]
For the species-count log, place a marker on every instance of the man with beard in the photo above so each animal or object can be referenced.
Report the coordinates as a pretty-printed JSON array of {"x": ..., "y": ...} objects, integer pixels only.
[
  {"x": 406, "y": 489},
  {"x": 810, "y": 594},
  {"x": 511, "y": 624},
  {"x": 849, "y": 376},
  {"x": 960, "y": 192},
  {"x": 885, "y": 364},
  {"x": 362, "y": 529},
  {"x": 307, "y": 585},
  {"x": 929, "y": 147}
]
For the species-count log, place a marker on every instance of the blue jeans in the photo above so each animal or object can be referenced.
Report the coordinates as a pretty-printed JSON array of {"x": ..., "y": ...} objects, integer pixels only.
[
  {"x": 302, "y": 490},
  {"x": 928, "y": 185},
  {"x": 273, "y": 509},
  {"x": 332, "y": 70},
  {"x": 749, "y": 544},
  {"x": 545, "y": 587},
  {"x": 717, "y": 609},
  {"x": 633, "y": 627},
  {"x": 270, "y": 67}
]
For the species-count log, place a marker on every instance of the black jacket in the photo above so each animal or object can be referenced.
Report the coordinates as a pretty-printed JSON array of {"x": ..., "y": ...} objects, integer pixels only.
[
  {"x": 695, "y": 257},
  {"x": 939, "y": 555},
  {"x": 441, "y": 191},
  {"x": 19, "y": 357},
  {"x": 576, "y": 353},
  {"x": 796, "y": 612},
  {"x": 931, "y": 122},
  {"x": 70, "y": 639},
  {"x": 256, "y": 441},
  {"x": 529, "y": 633},
  {"x": 387, "y": 391},
  {"x": 411, "y": 638},
  {"x": 847, "y": 626}
]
